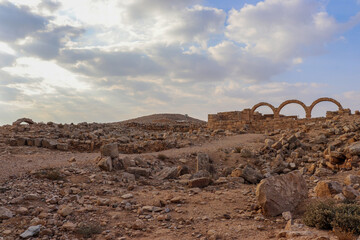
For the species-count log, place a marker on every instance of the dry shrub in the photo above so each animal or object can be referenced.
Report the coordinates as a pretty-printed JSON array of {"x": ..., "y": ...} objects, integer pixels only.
[
  {"x": 319, "y": 215},
  {"x": 347, "y": 218},
  {"x": 49, "y": 173},
  {"x": 341, "y": 235},
  {"x": 343, "y": 217},
  {"x": 237, "y": 149},
  {"x": 162, "y": 157},
  {"x": 87, "y": 230}
]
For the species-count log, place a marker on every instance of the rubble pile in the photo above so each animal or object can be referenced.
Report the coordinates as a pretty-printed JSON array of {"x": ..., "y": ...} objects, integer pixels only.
[{"x": 195, "y": 183}]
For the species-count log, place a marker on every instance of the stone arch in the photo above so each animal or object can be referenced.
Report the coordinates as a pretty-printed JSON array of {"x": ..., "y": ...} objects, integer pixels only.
[
  {"x": 260, "y": 105},
  {"x": 25, "y": 120},
  {"x": 282, "y": 105},
  {"x": 324, "y": 99}
]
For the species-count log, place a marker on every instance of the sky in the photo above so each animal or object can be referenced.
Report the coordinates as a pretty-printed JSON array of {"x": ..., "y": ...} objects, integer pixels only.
[{"x": 109, "y": 60}]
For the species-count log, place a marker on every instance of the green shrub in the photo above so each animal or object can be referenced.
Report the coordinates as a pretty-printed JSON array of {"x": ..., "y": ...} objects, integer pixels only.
[
  {"x": 345, "y": 218},
  {"x": 319, "y": 215}
]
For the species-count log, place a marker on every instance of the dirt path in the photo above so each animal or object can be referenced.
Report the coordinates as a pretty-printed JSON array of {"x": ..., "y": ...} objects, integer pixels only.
[
  {"x": 244, "y": 140},
  {"x": 26, "y": 160}
]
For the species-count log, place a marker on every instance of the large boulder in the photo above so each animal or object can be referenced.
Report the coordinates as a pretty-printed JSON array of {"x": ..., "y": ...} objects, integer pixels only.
[{"x": 278, "y": 194}]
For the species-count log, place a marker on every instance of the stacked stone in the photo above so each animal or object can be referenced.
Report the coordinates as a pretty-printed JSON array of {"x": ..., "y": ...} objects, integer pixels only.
[{"x": 110, "y": 158}]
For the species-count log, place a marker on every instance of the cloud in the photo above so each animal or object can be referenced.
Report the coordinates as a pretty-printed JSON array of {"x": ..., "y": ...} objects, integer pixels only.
[
  {"x": 49, "y": 5},
  {"x": 244, "y": 66},
  {"x": 8, "y": 94},
  {"x": 46, "y": 44},
  {"x": 197, "y": 24},
  {"x": 18, "y": 22},
  {"x": 269, "y": 38},
  {"x": 100, "y": 63},
  {"x": 6, "y": 59},
  {"x": 282, "y": 29},
  {"x": 139, "y": 10}
]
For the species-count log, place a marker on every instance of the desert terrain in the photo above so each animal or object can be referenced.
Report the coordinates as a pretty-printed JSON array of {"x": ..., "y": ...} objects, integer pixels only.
[{"x": 169, "y": 176}]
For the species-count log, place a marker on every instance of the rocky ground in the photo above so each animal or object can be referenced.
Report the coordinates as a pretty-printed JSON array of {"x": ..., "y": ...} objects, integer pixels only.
[{"x": 172, "y": 178}]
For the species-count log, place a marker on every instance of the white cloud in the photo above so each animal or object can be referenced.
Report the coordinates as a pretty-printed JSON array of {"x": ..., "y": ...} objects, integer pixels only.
[
  {"x": 282, "y": 29},
  {"x": 53, "y": 76}
]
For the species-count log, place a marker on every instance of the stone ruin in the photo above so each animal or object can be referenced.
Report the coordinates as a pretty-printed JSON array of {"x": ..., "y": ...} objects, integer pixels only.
[
  {"x": 249, "y": 119},
  {"x": 23, "y": 120}
]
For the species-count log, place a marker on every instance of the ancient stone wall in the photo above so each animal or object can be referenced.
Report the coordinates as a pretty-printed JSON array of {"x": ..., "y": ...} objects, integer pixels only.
[{"x": 249, "y": 119}]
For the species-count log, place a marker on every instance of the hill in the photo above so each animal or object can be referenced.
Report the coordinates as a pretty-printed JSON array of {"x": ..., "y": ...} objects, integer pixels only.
[{"x": 165, "y": 118}]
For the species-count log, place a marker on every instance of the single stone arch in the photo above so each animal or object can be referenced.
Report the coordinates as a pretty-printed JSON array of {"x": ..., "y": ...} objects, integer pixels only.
[
  {"x": 282, "y": 105},
  {"x": 262, "y": 104},
  {"x": 324, "y": 99},
  {"x": 25, "y": 120}
]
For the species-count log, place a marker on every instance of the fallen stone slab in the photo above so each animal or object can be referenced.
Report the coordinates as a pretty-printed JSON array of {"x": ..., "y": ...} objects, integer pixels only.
[
  {"x": 168, "y": 173},
  {"x": 139, "y": 171}
]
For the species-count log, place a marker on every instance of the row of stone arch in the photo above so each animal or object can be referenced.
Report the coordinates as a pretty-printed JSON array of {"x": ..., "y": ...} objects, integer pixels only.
[{"x": 308, "y": 109}]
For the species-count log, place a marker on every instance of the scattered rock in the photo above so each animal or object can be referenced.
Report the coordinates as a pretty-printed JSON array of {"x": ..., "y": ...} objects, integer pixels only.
[
  {"x": 69, "y": 226},
  {"x": 127, "y": 196},
  {"x": 105, "y": 163},
  {"x": 350, "y": 193},
  {"x": 251, "y": 175},
  {"x": 65, "y": 210},
  {"x": 327, "y": 188},
  {"x": 352, "y": 180},
  {"x": 199, "y": 182},
  {"x": 31, "y": 232},
  {"x": 5, "y": 213}
]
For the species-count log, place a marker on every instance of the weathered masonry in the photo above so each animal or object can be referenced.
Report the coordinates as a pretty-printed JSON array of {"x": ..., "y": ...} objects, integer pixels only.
[{"x": 249, "y": 118}]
